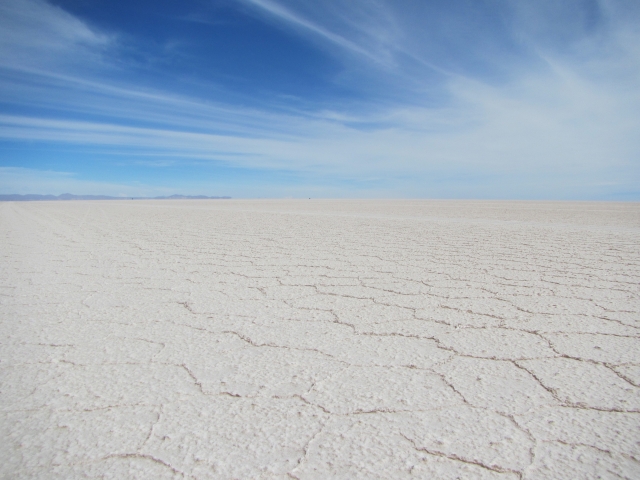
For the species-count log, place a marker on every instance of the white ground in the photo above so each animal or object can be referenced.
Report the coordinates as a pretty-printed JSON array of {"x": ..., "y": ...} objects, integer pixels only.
[{"x": 319, "y": 339}]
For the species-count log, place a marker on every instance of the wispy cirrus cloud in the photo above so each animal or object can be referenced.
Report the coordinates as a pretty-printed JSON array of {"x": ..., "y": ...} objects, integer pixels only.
[
  {"x": 281, "y": 12},
  {"x": 37, "y": 35},
  {"x": 565, "y": 111}
]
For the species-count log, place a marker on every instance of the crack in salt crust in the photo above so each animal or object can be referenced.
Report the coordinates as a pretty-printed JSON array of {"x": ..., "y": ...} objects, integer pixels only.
[{"x": 244, "y": 339}]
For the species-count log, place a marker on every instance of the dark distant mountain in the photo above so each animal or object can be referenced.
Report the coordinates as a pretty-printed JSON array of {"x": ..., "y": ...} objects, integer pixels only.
[
  {"x": 69, "y": 196},
  {"x": 189, "y": 197}
]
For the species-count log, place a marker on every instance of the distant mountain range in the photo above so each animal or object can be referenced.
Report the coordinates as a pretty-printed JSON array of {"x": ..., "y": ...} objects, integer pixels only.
[{"x": 68, "y": 196}]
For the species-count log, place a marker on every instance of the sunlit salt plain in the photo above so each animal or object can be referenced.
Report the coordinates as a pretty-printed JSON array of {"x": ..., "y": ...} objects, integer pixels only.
[{"x": 319, "y": 339}]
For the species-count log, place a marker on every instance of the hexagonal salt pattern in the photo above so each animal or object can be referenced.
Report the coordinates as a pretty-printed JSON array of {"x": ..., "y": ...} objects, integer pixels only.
[{"x": 319, "y": 339}]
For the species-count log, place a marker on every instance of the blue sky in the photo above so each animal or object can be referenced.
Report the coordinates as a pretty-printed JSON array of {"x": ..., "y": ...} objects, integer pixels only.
[{"x": 321, "y": 98}]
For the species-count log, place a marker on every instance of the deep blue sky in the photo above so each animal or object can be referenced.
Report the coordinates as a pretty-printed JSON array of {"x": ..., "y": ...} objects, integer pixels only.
[{"x": 278, "y": 98}]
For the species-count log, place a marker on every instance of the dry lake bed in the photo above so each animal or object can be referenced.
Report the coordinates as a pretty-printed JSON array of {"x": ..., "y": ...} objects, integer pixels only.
[{"x": 319, "y": 339}]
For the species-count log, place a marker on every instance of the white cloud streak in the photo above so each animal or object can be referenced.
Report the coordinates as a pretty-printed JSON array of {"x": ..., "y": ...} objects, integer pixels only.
[
  {"x": 568, "y": 116},
  {"x": 287, "y": 16},
  {"x": 35, "y": 34}
]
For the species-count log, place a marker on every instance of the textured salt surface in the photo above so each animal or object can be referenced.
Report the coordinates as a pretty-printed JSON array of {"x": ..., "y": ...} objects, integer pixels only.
[{"x": 319, "y": 339}]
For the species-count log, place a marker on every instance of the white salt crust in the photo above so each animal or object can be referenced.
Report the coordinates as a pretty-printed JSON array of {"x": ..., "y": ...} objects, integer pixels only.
[{"x": 319, "y": 339}]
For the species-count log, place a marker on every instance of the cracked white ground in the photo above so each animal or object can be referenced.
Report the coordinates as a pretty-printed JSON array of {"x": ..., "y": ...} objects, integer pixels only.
[{"x": 319, "y": 339}]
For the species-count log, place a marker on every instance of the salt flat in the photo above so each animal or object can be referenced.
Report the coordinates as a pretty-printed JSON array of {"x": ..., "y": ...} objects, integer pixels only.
[{"x": 319, "y": 339}]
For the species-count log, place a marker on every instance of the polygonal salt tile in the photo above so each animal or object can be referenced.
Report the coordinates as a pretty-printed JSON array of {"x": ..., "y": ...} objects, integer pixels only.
[
  {"x": 496, "y": 385},
  {"x": 226, "y": 437},
  {"x": 581, "y": 383},
  {"x": 473, "y": 435},
  {"x": 368, "y": 389},
  {"x": 497, "y": 343},
  {"x": 568, "y": 462},
  {"x": 600, "y": 348},
  {"x": 606, "y": 431}
]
